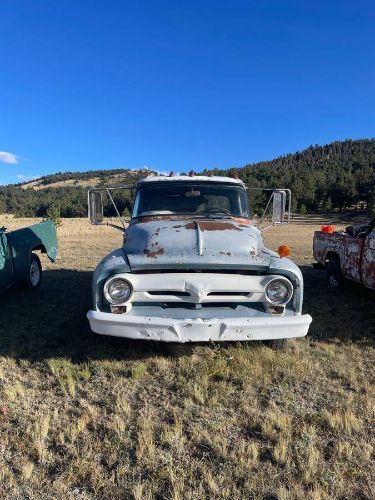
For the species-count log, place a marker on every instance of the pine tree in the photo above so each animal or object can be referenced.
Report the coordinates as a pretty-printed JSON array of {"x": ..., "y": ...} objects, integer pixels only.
[
  {"x": 372, "y": 203},
  {"x": 54, "y": 213}
]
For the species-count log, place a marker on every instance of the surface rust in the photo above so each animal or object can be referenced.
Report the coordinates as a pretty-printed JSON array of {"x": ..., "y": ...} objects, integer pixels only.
[
  {"x": 153, "y": 254},
  {"x": 211, "y": 226},
  {"x": 194, "y": 242},
  {"x": 356, "y": 254},
  {"x": 243, "y": 222},
  {"x": 368, "y": 261}
]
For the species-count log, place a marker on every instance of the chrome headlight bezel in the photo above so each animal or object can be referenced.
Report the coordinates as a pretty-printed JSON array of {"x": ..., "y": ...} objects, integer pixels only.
[
  {"x": 287, "y": 298},
  {"x": 107, "y": 295}
]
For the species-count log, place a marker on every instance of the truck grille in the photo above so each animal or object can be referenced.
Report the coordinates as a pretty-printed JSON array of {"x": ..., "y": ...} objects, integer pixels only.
[{"x": 160, "y": 293}]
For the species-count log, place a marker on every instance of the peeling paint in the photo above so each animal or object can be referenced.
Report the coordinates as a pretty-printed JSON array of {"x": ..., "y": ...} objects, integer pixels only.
[
  {"x": 212, "y": 226},
  {"x": 368, "y": 261},
  {"x": 355, "y": 253},
  {"x": 153, "y": 254},
  {"x": 192, "y": 243}
]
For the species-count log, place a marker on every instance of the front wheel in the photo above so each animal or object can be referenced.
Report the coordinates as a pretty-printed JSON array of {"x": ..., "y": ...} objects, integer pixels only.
[
  {"x": 277, "y": 344},
  {"x": 34, "y": 276}
]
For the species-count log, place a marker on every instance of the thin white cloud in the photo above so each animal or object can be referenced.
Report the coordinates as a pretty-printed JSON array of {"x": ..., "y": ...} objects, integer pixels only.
[
  {"x": 159, "y": 172},
  {"x": 10, "y": 158},
  {"x": 167, "y": 172},
  {"x": 24, "y": 178}
]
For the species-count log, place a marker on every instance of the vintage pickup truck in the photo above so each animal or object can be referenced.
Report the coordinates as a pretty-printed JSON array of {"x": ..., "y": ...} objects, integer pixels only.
[
  {"x": 347, "y": 254},
  {"x": 18, "y": 262},
  {"x": 193, "y": 268}
]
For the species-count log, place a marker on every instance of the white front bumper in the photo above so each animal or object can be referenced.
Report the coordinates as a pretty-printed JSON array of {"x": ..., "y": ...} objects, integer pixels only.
[{"x": 222, "y": 326}]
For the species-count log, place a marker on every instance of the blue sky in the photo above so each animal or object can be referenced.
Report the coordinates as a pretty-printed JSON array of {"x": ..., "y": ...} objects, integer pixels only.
[{"x": 179, "y": 85}]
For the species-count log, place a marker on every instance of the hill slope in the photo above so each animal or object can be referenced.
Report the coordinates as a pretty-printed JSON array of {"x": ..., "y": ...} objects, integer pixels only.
[
  {"x": 335, "y": 176},
  {"x": 66, "y": 192},
  {"x": 86, "y": 179}
]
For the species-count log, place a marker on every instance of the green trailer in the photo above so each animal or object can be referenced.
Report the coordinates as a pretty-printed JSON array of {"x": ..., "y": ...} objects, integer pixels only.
[{"x": 18, "y": 261}]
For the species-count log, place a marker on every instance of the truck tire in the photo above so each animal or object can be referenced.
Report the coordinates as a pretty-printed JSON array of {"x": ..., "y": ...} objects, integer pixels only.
[
  {"x": 334, "y": 275},
  {"x": 34, "y": 276},
  {"x": 277, "y": 344}
]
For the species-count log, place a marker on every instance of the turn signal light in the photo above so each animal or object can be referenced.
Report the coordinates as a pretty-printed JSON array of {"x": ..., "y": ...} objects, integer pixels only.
[
  {"x": 118, "y": 309},
  {"x": 284, "y": 251}
]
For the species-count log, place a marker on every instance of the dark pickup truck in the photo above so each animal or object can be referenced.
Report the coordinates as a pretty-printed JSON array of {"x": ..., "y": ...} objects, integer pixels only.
[
  {"x": 347, "y": 254},
  {"x": 18, "y": 262}
]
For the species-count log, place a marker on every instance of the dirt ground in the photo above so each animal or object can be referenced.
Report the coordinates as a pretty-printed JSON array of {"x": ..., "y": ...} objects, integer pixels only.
[{"x": 84, "y": 416}]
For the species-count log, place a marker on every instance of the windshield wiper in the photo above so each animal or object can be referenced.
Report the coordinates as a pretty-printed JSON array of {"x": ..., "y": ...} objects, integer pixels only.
[{"x": 219, "y": 215}]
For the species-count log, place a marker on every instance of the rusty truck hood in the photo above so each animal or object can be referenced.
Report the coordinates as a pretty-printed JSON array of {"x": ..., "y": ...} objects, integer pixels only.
[{"x": 189, "y": 243}]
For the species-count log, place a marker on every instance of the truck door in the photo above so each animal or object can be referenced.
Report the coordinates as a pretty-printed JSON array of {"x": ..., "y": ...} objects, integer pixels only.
[
  {"x": 6, "y": 265},
  {"x": 368, "y": 261},
  {"x": 351, "y": 265}
]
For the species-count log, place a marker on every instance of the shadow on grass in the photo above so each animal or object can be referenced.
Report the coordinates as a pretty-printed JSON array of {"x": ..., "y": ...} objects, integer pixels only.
[
  {"x": 51, "y": 322},
  {"x": 348, "y": 314}
]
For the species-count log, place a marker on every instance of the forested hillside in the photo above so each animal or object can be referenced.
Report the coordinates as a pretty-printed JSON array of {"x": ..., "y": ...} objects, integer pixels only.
[
  {"x": 66, "y": 193},
  {"x": 338, "y": 176}
]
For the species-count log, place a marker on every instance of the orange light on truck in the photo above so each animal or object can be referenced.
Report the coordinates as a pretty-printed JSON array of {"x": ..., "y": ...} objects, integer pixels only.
[
  {"x": 328, "y": 229},
  {"x": 284, "y": 251}
]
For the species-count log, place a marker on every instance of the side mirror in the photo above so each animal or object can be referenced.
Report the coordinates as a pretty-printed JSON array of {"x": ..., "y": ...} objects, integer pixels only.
[
  {"x": 278, "y": 207},
  {"x": 95, "y": 207}
]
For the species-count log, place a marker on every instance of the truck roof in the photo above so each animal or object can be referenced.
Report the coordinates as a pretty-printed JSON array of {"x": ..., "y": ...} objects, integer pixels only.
[{"x": 188, "y": 178}]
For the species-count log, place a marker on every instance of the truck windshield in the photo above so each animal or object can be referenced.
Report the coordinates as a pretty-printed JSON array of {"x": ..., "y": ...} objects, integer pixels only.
[{"x": 191, "y": 199}]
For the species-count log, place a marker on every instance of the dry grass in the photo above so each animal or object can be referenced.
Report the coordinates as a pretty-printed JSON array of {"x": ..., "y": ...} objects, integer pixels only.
[
  {"x": 89, "y": 417},
  {"x": 38, "y": 185}
]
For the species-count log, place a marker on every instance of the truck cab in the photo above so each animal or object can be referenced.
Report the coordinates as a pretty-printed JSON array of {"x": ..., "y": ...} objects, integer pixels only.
[
  {"x": 18, "y": 261},
  {"x": 348, "y": 254},
  {"x": 193, "y": 268}
]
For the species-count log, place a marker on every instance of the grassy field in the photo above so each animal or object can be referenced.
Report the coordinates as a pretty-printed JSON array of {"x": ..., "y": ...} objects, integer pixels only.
[{"x": 83, "y": 416}]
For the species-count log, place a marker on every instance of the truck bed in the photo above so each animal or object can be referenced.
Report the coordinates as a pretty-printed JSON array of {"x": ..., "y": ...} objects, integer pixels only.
[
  {"x": 326, "y": 243},
  {"x": 353, "y": 251}
]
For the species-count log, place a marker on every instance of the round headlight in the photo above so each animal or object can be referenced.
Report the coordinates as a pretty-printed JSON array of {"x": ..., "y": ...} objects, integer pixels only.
[
  {"x": 117, "y": 290},
  {"x": 279, "y": 291}
]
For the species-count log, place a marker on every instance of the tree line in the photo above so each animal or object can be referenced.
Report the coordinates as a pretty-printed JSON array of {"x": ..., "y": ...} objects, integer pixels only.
[
  {"x": 338, "y": 176},
  {"x": 70, "y": 200}
]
